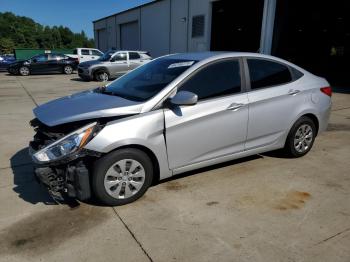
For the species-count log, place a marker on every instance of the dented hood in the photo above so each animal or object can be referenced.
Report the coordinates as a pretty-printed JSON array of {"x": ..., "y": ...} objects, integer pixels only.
[{"x": 83, "y": 106}]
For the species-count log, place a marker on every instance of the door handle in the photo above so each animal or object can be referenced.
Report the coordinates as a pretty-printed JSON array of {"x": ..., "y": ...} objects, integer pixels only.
[
  {"x": 235, "y": 106},
  {"x": 293, "y": 92}
]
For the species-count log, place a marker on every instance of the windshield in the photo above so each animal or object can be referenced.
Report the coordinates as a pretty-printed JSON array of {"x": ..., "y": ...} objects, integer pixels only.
[
  {"x": 107, "y": 56},
  {"x": 146, "y": 81}
]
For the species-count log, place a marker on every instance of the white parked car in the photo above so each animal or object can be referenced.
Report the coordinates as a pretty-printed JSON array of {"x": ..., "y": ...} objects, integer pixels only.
[{"x": 86, "y": 54}]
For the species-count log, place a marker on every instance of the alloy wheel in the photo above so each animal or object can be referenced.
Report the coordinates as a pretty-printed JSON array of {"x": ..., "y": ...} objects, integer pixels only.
[
  {"x": 24, "y": 71},
  {"x": 68, "y": 70},
  {"x": 303, "y": 138},
  {"x": 124, "y": 178},
  {"x": 103, "y": 77}
]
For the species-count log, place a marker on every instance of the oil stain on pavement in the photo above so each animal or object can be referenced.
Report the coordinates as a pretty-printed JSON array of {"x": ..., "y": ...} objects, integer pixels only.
[{"x": 38, "y": 233}]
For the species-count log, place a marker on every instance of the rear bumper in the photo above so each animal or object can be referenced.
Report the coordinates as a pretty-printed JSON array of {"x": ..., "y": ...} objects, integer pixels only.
[{"x": 324, "y": 118}]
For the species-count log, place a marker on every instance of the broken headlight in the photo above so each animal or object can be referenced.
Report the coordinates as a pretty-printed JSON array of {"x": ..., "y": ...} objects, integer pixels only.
[{"x": 65, "y": 146}]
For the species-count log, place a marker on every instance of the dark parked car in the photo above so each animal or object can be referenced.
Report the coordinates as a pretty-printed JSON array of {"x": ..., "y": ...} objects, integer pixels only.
[
  {"x": 5, "y": 61},
  {"x": 44, "y": 63}
]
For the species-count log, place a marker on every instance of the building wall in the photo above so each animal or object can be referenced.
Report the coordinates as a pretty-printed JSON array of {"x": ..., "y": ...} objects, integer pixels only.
[
  {"x": 155, "y": 28},
  {"x": 166, "y": 27}
]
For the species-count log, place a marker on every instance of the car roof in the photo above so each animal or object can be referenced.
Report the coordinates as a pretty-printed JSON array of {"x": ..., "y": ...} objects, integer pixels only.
[
  {"x": 199, "y": 56},
  {"x": 213, "y": 55}
]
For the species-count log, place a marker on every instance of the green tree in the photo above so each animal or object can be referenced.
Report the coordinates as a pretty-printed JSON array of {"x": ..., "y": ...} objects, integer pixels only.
[
  {"x": 23, "y": 32},
  {"x": 6, "y": 45}
]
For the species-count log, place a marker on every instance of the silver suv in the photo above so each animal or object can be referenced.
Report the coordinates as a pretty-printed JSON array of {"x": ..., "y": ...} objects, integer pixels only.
[
  {"x": 112, "y": 64},
  {"x": 175, "y": 114}
]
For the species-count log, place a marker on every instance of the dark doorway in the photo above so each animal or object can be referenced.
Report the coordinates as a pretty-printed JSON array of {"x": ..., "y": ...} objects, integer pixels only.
[
  {"x": 236, "y": 25},
  {"x": 315, "y": 35}
]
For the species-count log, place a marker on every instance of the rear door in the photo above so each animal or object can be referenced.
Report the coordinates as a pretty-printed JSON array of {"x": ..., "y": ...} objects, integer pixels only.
[
  {"x": 134, "y": 60},
  {"x": 275, "y": 99},
  {"x": 217, "y": 125},
  {"x": 54, "y": 64}
]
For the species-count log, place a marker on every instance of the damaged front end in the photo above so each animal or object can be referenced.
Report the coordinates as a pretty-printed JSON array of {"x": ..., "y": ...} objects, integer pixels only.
[{"x": 61, "y": 162}]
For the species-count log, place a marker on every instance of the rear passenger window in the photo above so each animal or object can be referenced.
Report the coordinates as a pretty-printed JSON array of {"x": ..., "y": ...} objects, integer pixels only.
[
  {"x": 134, "y": 56},
  {"x": 264, "y": 73},
  {"x": 85, "y": 52},
  {"x": 217, "y": 79}
]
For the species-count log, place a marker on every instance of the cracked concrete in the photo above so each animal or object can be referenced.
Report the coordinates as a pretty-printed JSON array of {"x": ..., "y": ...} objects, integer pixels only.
[{"x": 261, "y": 208}]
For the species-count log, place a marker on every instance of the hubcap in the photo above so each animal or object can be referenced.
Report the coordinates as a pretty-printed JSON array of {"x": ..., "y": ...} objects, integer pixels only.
[
  {"x": 68, "y": 70},
  {"x": 104, "y": 77},
  {"x": 24, "y": 71},
  {"x": 124, "y": 178},
  {"x": 303, "y": 138}
]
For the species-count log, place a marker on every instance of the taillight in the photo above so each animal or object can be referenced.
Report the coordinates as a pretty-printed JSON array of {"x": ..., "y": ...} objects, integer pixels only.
[{"x": 326, "y": 90}]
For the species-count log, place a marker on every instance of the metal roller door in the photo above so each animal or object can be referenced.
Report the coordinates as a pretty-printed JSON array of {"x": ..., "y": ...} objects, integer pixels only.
[{"x": 129, "y": 36}]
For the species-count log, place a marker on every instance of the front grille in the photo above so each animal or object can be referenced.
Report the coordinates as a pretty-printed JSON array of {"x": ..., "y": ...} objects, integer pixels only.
[{"x": 80, "y": 71}]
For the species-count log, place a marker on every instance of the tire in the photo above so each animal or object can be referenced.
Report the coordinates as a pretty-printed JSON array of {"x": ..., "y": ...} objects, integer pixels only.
[
  {"x": 102, "y": 76},
  {"x": 113, "y": 187},
  {"x": 300, "y": 140},
  {"x": 67, "y": 69},
  {"x": 24, "y": 71}
]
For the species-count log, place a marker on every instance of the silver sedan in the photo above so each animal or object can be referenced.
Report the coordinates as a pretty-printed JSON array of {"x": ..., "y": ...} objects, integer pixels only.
[{"x": 175, "y": 114}]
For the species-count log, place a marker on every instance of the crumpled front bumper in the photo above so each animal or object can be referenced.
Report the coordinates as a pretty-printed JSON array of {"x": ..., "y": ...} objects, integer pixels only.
[{"x": 64, "y": 179}]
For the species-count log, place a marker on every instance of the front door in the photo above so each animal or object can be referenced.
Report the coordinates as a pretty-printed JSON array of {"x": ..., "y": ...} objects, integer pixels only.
[
  {"x": 217, "y": 125},
  {"x": 39, "y": 64},
  {"x": 119, "y": 64}
]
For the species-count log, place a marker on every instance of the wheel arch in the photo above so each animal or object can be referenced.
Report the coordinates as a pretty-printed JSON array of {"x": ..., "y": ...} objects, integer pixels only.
[
  {"x": 314, "y": 119},
  {"x": 150, "y": 153},
  {"x": 99, "y": 69}
]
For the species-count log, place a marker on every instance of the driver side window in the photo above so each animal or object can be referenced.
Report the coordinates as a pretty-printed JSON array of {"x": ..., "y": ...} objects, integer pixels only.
[
  {"x": 41, "y": 58},
  {"x": 216, "y": 79}
]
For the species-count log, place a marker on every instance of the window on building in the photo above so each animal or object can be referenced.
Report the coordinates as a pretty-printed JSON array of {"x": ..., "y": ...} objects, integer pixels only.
[
  {"x": 198, "y": 26},
  {"x": 134, "y": 56},
  {"x": 265, "y": 73},
  {"x": 217, "y": 79}
]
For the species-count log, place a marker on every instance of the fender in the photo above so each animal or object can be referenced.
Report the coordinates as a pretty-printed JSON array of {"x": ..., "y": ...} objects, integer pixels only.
[{"x": 146, "y": 130}]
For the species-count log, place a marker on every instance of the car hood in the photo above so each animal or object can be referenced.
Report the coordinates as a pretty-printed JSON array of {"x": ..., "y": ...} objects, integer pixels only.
[
  {"x": 83, "y": 106},
  {"x": 90, "y": 63}
]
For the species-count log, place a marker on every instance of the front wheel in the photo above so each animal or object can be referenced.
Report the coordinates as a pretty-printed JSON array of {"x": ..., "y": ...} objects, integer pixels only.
[
  {"x": 102, "y": 76},
  {"x": 300, "y": 138},
  {"x": 68, "y": 69},
  {"x": 122, "y": 176},
  {"x": 24, "y": 71}
]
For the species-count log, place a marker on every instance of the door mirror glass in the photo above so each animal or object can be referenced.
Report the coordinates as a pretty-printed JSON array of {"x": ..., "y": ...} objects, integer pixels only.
[{"x": 184, "y": 98}]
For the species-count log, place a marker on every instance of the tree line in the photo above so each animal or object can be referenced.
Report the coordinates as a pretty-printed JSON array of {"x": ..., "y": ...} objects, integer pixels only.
[{"x": 23, "y": 32}]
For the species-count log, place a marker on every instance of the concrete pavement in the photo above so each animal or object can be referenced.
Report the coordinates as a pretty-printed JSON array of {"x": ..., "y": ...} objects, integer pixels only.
[{"x": 261, "y": 208}]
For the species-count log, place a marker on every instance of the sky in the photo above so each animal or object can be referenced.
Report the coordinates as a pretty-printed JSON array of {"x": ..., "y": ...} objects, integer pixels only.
[{"x": 75, "y": 14}]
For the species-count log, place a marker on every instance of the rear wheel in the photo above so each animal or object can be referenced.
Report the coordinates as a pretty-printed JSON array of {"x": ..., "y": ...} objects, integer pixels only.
[
  {"x": 122, "y": 176},
  {"x": 300, "y": 138},
  {"x": 24, "y": 71},
  {"x": 102, "y": 76},
  {"x": 68, "y": 69}
]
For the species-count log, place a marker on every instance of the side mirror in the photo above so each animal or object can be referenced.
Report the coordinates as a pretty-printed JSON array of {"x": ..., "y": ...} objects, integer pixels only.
[{"x": 184, "y": 98}]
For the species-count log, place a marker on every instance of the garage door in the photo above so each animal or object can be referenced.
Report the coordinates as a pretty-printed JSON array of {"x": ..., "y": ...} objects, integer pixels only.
[
  {"x": 102, "y": 39},
  {"x": 129, "y": 36}
]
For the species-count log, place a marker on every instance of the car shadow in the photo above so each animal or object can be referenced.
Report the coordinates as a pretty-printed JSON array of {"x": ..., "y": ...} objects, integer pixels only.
[
  {"x": 78, "y": 79},
  {"x": 210, "y": 168},
  {"x": 24, "y": 181}
]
